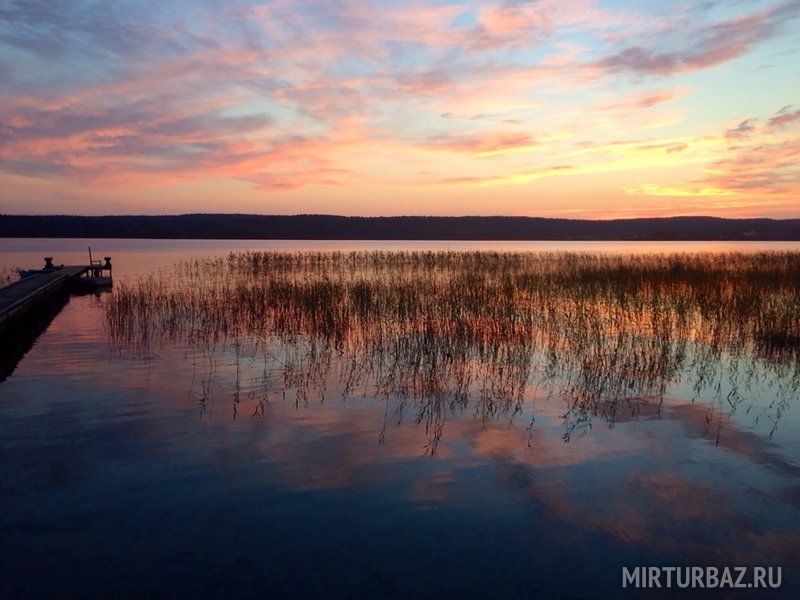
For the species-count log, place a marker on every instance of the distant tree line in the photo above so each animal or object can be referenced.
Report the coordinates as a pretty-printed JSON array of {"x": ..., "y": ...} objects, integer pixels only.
[{"x": 331, "y": 227}]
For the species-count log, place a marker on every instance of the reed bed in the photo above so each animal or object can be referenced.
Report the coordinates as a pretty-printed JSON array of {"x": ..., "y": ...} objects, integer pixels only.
[{"x": 441, "y": 327}]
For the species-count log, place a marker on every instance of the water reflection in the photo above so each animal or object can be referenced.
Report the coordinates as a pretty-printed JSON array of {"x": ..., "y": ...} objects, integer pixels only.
[
  {"x": 20, "y": 337},
  {"x": 283, "y": 445}
]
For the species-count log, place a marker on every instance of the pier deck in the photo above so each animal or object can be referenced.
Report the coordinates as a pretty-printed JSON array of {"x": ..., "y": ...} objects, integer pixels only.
[{"x": 18, "y": 297}]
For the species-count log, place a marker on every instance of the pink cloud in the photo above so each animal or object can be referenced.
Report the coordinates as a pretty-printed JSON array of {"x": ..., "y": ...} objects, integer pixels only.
[
  {"x": 742, "y": 130},
  {"x": 477, "y": 143},
  {"x": 646, "y": 99},
  {"x": 784, "y": 116},
  {"x": 709, "y": 45},
  {"x": 765, "y": 160},
  {"x": 513, "y": 24}
]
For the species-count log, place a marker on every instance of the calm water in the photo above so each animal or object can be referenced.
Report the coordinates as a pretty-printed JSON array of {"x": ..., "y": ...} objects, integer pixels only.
[{"x": 173, "y": 472}]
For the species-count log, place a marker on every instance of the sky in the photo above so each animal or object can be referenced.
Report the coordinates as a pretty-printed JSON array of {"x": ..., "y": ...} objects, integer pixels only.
[{"x": 591, "y": 109}]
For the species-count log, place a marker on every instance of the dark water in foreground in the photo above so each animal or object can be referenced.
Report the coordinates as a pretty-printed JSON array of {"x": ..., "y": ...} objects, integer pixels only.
[{"x": 141, "y": 474}]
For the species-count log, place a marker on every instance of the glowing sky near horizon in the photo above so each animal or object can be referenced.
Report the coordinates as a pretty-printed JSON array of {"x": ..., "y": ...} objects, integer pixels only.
[{"x": 586, "y": 108}]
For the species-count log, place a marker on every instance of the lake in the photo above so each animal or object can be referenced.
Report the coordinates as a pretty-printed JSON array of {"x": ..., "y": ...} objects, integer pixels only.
[{"x": 310, "y": 453}]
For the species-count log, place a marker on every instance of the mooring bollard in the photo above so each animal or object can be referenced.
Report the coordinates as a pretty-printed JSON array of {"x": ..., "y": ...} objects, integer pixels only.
[{"x": 48, "y": 262}]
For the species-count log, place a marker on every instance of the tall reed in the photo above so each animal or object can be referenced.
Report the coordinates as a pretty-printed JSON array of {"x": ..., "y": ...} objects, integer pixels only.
[{"x": 440, "y": 327}]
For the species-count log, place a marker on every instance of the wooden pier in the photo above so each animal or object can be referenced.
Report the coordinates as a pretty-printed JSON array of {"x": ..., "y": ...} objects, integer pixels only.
[{"x": 17, "y": 298}]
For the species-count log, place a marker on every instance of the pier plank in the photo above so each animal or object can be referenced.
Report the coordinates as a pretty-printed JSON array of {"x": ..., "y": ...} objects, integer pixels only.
[{"x": 20, "y": 295}]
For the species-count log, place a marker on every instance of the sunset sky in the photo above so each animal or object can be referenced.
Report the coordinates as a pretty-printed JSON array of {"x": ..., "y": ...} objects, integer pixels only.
[{"x": 553, "y": 108}]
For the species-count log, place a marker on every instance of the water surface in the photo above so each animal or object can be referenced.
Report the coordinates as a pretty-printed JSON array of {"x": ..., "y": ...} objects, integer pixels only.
[{"x": 177, "y": 470}]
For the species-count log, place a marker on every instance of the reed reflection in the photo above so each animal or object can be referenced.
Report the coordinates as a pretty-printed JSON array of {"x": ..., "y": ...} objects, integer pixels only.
[{"x": 431, "y": 334}]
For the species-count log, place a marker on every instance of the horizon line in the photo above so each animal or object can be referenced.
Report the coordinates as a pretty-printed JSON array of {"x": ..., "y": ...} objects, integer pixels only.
[{"x": 394, "y": 216}]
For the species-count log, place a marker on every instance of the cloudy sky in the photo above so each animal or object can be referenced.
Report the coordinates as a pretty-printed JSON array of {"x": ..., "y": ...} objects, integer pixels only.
[{"x": 556, "y": 108}]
